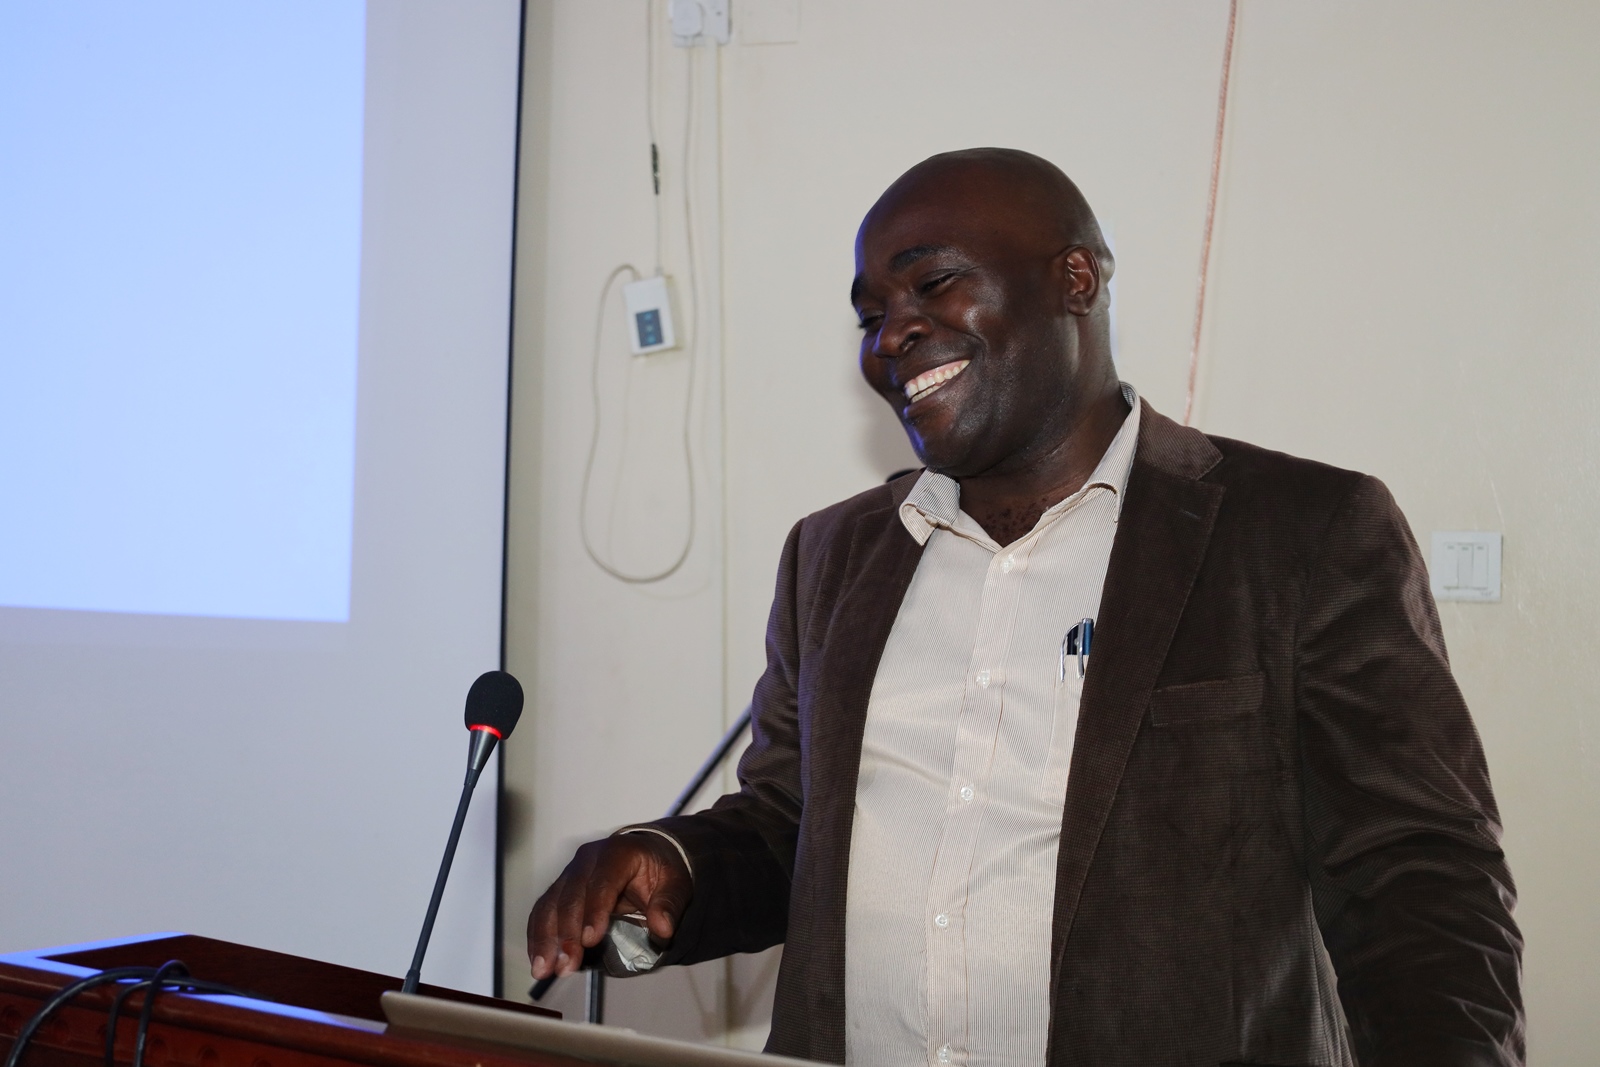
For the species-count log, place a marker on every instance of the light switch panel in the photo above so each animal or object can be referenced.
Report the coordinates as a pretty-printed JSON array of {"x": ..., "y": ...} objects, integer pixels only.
[{"x": 1465, "y": 565}]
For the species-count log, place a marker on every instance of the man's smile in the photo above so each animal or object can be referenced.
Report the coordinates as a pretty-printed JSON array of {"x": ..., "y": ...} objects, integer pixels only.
[{"x": 926, "y": 383}]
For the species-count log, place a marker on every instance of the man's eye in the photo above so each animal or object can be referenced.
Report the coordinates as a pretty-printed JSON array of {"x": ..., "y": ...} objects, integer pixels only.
[
  {"x": 869, "y": 323},
  {"x": 933, "y": 283}
]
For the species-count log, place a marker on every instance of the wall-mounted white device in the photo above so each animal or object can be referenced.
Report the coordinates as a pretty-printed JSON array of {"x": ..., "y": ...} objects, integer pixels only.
[
  {"x": 698, "y": 21},
  {"x": 649, "y": 304},
  {"x": 1465, "y": 565}
]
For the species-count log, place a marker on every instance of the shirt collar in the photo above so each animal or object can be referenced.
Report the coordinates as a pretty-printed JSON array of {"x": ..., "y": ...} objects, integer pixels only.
[{"x": 935, "y": 499}]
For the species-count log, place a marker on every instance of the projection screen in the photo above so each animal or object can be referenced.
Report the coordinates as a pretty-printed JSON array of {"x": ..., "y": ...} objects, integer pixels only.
[{"x": 254, "y": 327}]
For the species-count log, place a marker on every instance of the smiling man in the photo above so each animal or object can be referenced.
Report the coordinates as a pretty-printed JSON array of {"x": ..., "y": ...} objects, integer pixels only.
[{"x": 1099, "y": 740}]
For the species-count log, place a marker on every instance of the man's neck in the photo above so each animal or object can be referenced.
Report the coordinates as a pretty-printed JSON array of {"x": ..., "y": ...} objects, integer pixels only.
[{"x": 1008, "y": 504}]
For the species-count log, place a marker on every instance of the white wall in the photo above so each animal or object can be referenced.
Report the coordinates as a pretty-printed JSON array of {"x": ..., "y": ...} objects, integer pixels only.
[
  {"x": 624, "y": 683},
  {"x": 1404, "y": 282}
]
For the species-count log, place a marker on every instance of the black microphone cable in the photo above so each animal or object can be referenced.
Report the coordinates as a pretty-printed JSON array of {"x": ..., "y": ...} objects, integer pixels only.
[
  {"x": 151, "y": 985},
  {"x": 51, "y": 1006},
  {"x": 147, "y": 1009},
  {"x": 115, "y": 1017},
  {"x": 170, "y": 975}
]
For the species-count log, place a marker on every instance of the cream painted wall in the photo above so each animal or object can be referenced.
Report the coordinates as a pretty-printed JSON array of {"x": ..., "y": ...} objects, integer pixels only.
[
  {"x": 624, "y": 682},
  {"x": 1404, "y": 282}
]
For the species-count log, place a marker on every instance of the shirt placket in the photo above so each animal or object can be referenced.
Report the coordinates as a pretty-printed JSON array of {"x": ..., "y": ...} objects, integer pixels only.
[{"x": 976, "y": 731}]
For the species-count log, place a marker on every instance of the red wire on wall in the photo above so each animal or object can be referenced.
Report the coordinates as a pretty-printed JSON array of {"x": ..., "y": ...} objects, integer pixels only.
[{"x": 1211, "y": 213}]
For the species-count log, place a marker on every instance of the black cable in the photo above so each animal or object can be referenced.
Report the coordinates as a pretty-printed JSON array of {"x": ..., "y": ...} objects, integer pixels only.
[
  {"x": 116, "y": 1017},
  {"x": 50, "y": 1007},
  {"x": 713, "y": 761},
  {"x": 147, "y": 1009},
  {"x": 151, "y": 978},
  {"x": 183, "y": 985}
]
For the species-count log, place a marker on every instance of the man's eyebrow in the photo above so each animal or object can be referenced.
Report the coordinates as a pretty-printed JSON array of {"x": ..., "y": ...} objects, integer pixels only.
[
  {"x": 900, "y": 261},
  {"x": 903, "y": 259}
]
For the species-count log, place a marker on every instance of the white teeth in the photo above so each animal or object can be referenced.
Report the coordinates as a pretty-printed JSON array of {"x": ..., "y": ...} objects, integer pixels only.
[{"x": 926, "y": 382}]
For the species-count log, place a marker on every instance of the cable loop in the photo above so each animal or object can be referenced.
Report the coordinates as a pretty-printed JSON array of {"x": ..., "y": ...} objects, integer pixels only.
[{"x": 690, "y": 345}]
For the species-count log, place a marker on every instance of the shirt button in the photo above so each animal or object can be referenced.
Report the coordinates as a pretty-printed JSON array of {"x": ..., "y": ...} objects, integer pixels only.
[
  {"x": 941, "y": 920},
  {"x": 966, "y": 794},
  {"x": 1007, "y": 563},
  {"x": 983, "y": 679},
  {"x": 944, "y": 1053}
]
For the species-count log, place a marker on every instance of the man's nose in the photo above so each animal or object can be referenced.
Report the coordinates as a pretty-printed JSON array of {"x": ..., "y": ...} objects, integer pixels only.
[{"x": 899, "y": 332}]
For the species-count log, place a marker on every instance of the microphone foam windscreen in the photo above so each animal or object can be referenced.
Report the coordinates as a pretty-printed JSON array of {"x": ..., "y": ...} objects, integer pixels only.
[{"x": 495, "y": 700}]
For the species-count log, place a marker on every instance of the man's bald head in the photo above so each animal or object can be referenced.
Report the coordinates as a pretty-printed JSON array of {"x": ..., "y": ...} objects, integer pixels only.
[
  {"x": 1003, "y": 186},
  {"x": 980, "y": 289}
]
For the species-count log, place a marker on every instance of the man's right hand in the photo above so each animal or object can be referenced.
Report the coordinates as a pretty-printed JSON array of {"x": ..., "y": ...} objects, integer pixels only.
[{"x": 639, "y": 872}]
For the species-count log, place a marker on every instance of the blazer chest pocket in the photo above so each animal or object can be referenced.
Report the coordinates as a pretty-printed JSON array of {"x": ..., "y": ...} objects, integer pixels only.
[{"x": 1197, "y": 703}]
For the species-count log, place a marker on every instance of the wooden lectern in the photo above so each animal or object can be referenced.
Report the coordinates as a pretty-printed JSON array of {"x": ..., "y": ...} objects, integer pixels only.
[
  {"x": 312, "y": 1014},
  {"x": 308, "y": 1014}
]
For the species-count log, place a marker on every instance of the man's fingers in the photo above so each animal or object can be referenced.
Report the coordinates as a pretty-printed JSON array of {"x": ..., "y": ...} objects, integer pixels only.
[
  {"x": 570, "y": 912},
  {"x": 663, "y": 888},
  {"x": 605, "y": 878},
  {"x": 552, "y": 928},
  {"x": 667, "y": 906},
  {"x": 610, "y": 877},
  {"x": 542, "y": 945}
]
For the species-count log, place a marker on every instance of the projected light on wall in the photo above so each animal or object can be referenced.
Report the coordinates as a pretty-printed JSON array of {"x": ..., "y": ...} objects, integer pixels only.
[{"x": 180, "y": 210}]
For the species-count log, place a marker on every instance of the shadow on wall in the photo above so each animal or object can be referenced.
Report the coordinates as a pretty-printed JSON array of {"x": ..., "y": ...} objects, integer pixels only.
[{"x": 882, "y": 439}]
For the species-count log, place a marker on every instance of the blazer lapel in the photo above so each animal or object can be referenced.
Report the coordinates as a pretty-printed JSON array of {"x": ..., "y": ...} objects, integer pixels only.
[
  {"x": 1161, "y": 540},
  {"x": 881, "y": 561},
  {"x": 878, "y": 569}
]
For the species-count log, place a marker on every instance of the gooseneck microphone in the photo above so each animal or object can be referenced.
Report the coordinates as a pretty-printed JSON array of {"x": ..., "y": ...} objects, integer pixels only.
[{"x": 494, "y": 704}]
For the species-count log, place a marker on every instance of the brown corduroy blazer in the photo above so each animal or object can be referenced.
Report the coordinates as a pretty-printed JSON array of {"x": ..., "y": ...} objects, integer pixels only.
[{"x": 1279, "y": 843}]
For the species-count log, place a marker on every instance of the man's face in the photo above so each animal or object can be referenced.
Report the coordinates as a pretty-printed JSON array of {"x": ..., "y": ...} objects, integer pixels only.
[{"x": 966, "y": 329}]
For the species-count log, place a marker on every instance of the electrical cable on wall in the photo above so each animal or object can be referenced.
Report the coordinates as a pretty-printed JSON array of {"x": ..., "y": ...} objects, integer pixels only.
[
  {"x": 689, "y": 344},
  {"x": 1211, "y": 213}
]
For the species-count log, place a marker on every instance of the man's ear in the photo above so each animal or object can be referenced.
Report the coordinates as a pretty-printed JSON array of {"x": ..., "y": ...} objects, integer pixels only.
[{"x": 1080, "y": 279}]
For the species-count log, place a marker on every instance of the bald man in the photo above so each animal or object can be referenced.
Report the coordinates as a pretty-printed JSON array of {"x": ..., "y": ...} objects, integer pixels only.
[{"x": 1097, "y": 741}]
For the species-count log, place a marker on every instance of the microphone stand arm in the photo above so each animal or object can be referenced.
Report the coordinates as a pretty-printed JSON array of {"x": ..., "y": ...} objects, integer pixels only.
[{"x": 483, "y": 742}]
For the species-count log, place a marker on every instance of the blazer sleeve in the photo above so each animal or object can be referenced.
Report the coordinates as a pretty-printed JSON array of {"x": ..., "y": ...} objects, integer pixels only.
[
  {"x": 742, "y": 849},
  {"x": 1411, "y": 888}
]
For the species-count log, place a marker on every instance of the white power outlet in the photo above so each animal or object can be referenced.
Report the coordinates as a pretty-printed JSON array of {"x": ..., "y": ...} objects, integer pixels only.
[{"x": 698, "y": 22}]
